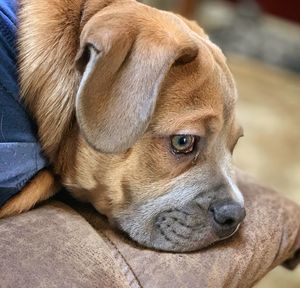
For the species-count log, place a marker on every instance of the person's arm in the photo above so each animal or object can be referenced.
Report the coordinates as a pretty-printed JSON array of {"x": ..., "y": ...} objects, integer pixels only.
[{"x": 21, "y": 157}]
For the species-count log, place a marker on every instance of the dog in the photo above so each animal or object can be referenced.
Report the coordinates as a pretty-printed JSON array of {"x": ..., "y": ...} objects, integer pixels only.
[{"x": 135, "y": 109}]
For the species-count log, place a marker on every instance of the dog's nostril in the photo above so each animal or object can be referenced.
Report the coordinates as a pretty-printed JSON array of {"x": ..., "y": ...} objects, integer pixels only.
[{"x": 229, "y": 221}]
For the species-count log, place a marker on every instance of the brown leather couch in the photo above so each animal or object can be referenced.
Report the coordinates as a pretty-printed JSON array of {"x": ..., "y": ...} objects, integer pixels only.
[{"x": 55, "y": 245}]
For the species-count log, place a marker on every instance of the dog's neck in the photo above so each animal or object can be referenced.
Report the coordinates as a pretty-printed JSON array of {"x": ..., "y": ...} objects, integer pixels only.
[{"x": 48, "y": 39}]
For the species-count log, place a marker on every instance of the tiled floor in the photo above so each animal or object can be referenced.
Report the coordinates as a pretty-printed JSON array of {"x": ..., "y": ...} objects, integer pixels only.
[{"x": 269, "y": 110}]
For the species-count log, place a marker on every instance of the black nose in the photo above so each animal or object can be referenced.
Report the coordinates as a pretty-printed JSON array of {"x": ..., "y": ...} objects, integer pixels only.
[{"x": 227, "y": 215}]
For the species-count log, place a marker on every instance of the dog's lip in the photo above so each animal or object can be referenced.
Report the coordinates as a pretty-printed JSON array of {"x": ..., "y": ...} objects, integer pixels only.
[{"x": 231, "y": 234}]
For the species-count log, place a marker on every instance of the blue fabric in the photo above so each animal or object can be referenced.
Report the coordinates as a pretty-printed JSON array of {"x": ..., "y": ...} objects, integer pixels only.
[{"x": 20, "y": 154}]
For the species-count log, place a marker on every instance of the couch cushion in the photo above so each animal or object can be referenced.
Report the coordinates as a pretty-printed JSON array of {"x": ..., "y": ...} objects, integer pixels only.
[{"x": 53, "y": 246}]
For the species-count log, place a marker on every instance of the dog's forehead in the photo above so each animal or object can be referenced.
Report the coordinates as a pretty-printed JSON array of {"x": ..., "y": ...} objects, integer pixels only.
[
  {"x": 203, "y": 88},
  {"x": 205, "y": 84}
]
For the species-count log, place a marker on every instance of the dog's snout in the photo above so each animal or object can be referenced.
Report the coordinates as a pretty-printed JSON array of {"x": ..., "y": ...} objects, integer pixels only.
[{"x": 227, "y": 215}]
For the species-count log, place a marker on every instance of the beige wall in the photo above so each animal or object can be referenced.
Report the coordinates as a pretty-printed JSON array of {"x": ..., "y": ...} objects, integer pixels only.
[{"x": 269, "y": 110}]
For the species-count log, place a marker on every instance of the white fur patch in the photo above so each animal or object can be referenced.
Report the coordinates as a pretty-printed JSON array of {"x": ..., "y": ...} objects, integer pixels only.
[{"x": 235, "y": 191}]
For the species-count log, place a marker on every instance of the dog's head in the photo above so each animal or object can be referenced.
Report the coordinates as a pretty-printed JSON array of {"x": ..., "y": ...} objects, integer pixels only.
[{"x": 155, "y": 111}]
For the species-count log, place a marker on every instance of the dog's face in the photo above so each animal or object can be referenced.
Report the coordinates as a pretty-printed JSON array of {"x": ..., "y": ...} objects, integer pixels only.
[{"x": 156, "y": 129}]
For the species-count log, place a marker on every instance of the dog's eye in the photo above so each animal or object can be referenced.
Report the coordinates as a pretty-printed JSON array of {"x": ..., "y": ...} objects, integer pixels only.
[{"x": 183, "y": 144}]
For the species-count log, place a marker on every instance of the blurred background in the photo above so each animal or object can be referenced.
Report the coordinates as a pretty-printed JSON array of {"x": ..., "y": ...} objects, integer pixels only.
[{"x": 261, "y": 39}]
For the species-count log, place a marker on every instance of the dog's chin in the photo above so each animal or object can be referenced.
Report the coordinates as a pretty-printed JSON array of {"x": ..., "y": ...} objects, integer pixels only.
[
  {"x": 173, "y": 242},
  {"x": 170, "y": 240}
]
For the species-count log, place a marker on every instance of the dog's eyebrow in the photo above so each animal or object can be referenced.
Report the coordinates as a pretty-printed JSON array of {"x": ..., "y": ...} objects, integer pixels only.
[{"x": 196, "y": 122}]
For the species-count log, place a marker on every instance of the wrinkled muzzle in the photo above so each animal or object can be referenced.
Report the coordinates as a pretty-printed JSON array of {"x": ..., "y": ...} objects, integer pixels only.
[{"x": 185, "y": 219}]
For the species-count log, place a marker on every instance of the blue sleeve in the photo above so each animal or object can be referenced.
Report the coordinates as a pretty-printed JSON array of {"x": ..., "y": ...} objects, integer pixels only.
[{"x": 20, "y": 153}]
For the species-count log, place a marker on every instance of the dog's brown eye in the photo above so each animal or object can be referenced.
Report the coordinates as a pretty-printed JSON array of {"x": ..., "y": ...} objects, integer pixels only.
[{"x": 183, "y": 144}]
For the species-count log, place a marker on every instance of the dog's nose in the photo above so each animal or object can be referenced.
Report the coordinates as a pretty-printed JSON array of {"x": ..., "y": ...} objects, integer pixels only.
[{"x": 227, "y": 216}]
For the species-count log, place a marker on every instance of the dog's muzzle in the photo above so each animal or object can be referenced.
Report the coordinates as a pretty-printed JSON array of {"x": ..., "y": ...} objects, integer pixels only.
[
  {"x": 193, "y": 227},
  {"x": 182, "y": 222}
]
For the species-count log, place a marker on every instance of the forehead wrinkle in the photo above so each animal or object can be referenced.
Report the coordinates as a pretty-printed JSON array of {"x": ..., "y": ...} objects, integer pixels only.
[{"x": 199, "y": 105}]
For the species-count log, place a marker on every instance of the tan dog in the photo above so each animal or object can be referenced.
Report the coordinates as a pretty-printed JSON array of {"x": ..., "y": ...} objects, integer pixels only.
[{"x": 135, "y": 111}]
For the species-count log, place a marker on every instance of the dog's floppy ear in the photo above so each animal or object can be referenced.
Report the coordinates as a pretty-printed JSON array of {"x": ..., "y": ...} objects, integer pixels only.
[{"x": 122, "y": 72}]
